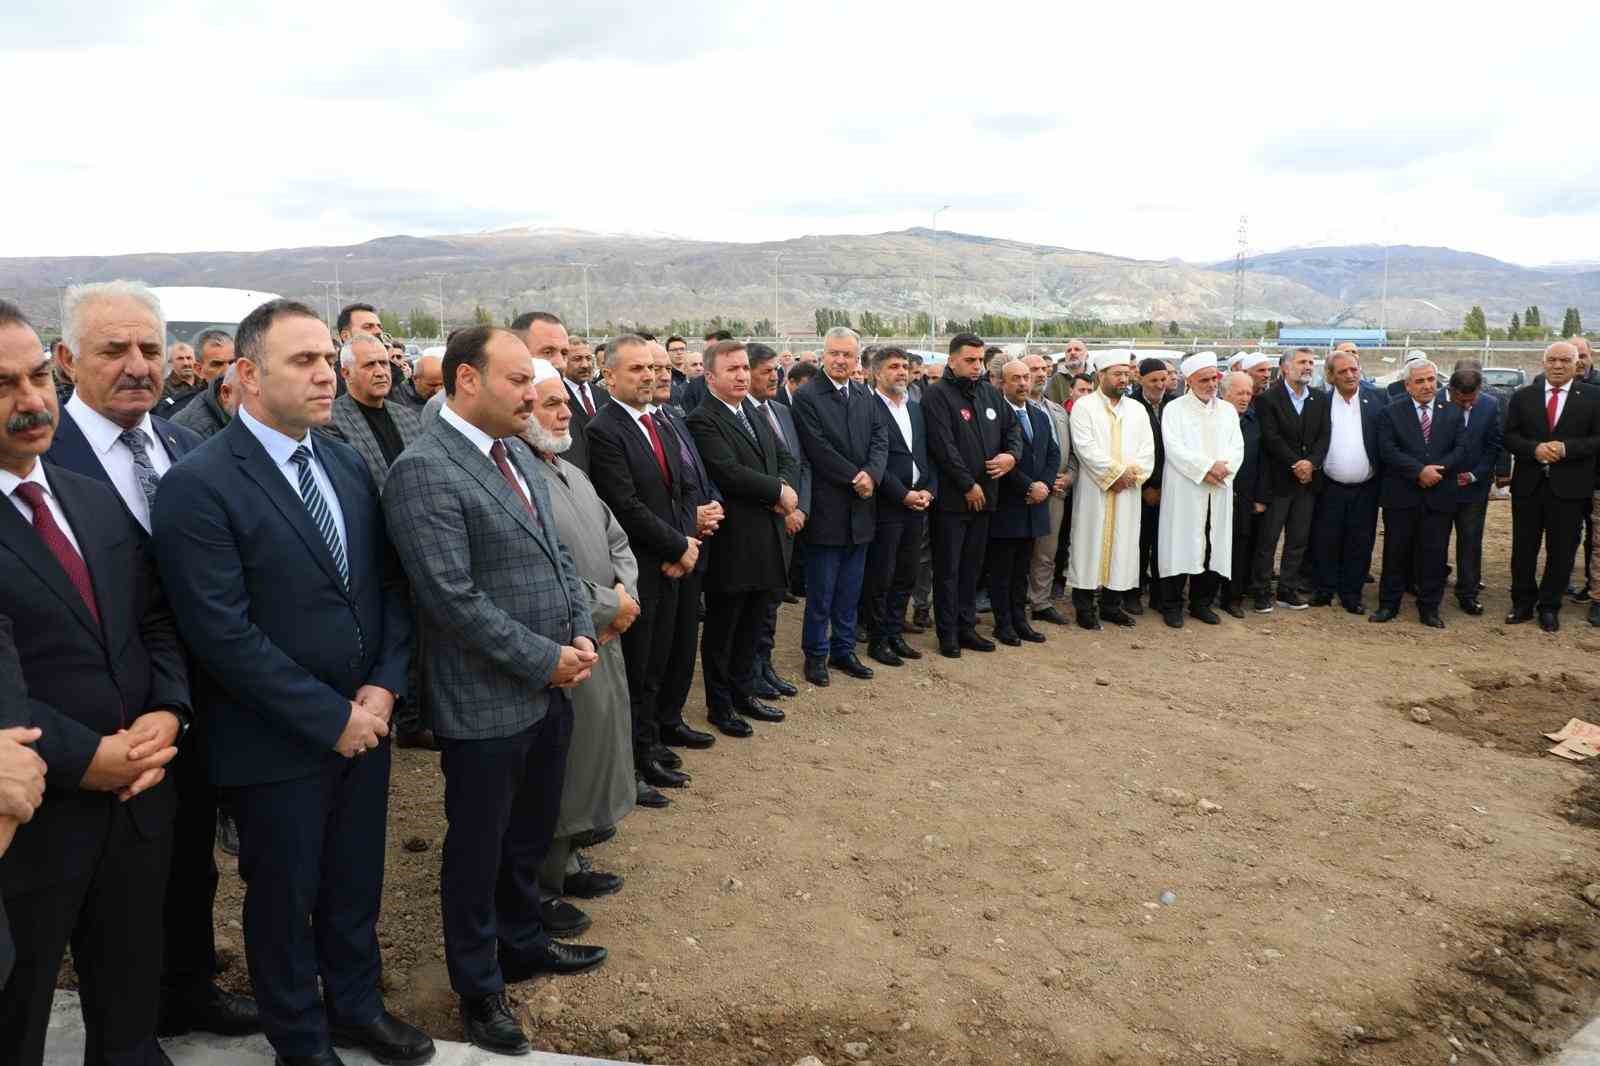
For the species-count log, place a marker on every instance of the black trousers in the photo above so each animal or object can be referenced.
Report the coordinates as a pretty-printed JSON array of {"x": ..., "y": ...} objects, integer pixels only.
[
  {"x": 1344, "y": 527},
  {"x": 410, "y": 716},
  {"x": 1149, "y": 517},
  {"x": 311, "y": 853},
  {"x": 1468, "y": 524},
  {"x": 1064, "y": 538},
  {"x": 1416, "y": 540},
  {"x": 1246, "y": 523},
  {"x": 501, "y": 800},
  {"x": 1543, "y": 517},
  {"x": 728, "y": 646},
  {"x": 893, "y": 560},
  {"x": 1010, "y": 559},
  {"x": 960, "y": 540},
  {"x": 678, "y": 677},
  {"x": 1202, "y": 586},
  {"x": 1289, "y": 517},
  {"x": 646, "y": 650},
  {"x": 189, "y": 958},
  {"x": 1099, "y": 599},
  {"x": 112, "y": 921}
]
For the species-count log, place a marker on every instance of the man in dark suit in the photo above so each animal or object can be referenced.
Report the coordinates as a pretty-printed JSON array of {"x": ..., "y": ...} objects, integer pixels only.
[
  {"x": 765, "y": 389},
  {"x": 514, "y": 632},
  {"x": 1482, "y": 420},
  {"x": 903, "y": 502},
  {"x": 974, "y": 439},
  {"x": 273, "y": 550},
  {"x": 1023, "y": 514},
  {"x": 846, "y": 445},
  {"x": 22, "y": 772},
  {"x": 756, "y": 478},
  {"x": 107, "y": 432},
  {"x": 1151, "y": 393},
  {"x": 1553, "y": 432},
  {"x": 1295, "y": 432},
  {"x": 107, "y": 689},
  {"x": 1420, "y": 446},
  {"x": 642, "y": 481},
  {"x": 1250, "y": 493},
  {"x": 1344, "y": 522},
  {"x": 546, "y": 337},
  {"x": 585, "y": 395}
]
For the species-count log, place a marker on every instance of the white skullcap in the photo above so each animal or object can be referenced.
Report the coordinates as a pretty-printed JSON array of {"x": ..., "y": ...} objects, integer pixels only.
[
  {"x": 1197, "y": 362},
  {"x": 544, "y": 370},
  {"x": 1416, "y": 355},
  {"x": 1111, "y": 357},
  {"x": 1251, "y": 360},
  {"x": 434, "y": 352}
]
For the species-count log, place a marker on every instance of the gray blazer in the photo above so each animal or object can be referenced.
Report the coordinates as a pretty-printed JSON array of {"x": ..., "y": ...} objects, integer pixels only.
[
  {"x": 498, "y": 589},
  {"x": 791, "y": 441},
  {"x": 350, "y": 426}
]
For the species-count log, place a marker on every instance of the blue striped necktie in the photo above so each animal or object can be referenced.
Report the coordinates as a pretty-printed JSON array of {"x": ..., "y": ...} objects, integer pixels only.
[{"x": 321, "y": 514}]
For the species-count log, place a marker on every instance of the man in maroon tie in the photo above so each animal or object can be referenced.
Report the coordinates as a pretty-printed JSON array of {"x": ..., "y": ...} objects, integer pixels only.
[{"x": 585, "y": 395}]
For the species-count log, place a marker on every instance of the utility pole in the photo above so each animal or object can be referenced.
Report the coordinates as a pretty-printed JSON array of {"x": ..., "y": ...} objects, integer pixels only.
[
  {"x": 327, "y": 299},
  {"x": 444, "y": 330},
  {"x": 933, "y": 310},
  {"x": 1238, "y": 275},
  {"x": 1383, "y": 305},
  {"x": 777, "y": 277},
  {"x": 587, "y": 327}
]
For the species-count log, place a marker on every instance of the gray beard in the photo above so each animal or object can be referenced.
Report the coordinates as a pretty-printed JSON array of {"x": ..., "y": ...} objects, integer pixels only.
[{"x": 545, "y": 441}]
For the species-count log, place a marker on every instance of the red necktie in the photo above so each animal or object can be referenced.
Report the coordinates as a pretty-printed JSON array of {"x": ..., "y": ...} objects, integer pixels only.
[
  {"x": 1551, "y": 407},
  {"x": 588, "y": 405},
  {"x": 497, "y": 452},
  {"x": 44, "y": 523},
  {"x": 655, "y": 445}
]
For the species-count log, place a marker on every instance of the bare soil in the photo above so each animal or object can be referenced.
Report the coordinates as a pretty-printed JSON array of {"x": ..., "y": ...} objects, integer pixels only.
[{"x": 963, "y": 863}]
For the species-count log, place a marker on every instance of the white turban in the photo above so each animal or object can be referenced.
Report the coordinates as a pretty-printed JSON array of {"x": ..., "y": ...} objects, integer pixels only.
[
  {"x": 1111, "y": 357},
  {"x": 544, "y": 370},
  {"x": 1197, "y": 362},
  {"x": 1252, "y": 360}
]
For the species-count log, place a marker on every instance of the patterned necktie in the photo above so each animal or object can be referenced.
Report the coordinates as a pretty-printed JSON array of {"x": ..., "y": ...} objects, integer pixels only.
[
  {"x": 744, "y": 424},
  {"x": 777, "y": 430},
  {"x": 1427, "y": 424},
  {"x": 588, "y": 404},
  {"x": 321, "y": 514},
  {"x": 497, "y": 452},
  {"x": 44, "y": 523},
  {"x": 143, "y": 468}
]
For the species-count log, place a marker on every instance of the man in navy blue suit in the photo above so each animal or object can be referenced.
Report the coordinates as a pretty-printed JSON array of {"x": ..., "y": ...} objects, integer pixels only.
[
  {"x": 1344, "y": 524},
  {"x": 272, "y": 546},
  {"x": 1420, "y": 444},
  {"x": 1483, "y": 428},
  {"x": 113, "y": 342},
  {"x": 1023, "y": 513}
]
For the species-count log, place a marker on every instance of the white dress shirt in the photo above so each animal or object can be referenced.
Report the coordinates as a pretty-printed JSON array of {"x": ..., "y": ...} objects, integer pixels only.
[
  {"x": 1561, "y": 404},
  {"x": 483, "y": 442},
  {"x": 901, "y": 411},
  {"x": 1347, "y": 461},
  {"x": 116, "y": 458},
  {"x": 585, "y": 397},
  {"x": 8, "y": 488},
  {"x": 280, "y": 449},
  {"x": 638, "y": 420}
]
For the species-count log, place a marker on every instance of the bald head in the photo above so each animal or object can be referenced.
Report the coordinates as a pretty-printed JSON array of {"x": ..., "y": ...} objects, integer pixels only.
[
  {"x": 1239, "y": 388},
  {"x": 1560, "y": 363}
]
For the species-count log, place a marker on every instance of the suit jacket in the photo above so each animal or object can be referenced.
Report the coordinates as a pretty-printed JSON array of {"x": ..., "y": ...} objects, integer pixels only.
[
  {"x": 1404, "y": 453},
  {"x": 1287, "y": 437},
  {"x": 1250, "y": 484},
  {"x": 1015, "y": 517},
  {"x": 580, "y": 417},
  {"x": 85, "y": 680},
  {"x": 690, "y": 394},
  {"x": 1527, "y": 426},
  {"x": 499, "y": 589},
  {"x": 750, "y": 474},
  {"x": 1485, "y": 431},
  {"x": 1373, "y": 401},
  {"x": 842, "y": 435},
  {"x": 790, "y": 442},
  {"x": 897, "y": 479},
  {"x": 969, "y": 423},
  {"x": 629, "y": 481},
  {"x": 1154, "y": 480},
  {"x": 13, "y": 712},
  {"x": 279, "y": 644},
  {"x": 350, "y": 426},
  {"x": 204, "y": 416},
  {"x": 71, "y": 449}
]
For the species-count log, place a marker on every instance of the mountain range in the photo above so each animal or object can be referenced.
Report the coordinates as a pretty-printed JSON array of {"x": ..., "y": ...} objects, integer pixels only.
[{"x": 658, "y": 279}]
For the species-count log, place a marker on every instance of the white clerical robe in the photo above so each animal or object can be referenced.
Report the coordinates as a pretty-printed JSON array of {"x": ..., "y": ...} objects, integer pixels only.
[
  {"x": 1108, "y": 440},
  {"x": 1196, "y": 435}
]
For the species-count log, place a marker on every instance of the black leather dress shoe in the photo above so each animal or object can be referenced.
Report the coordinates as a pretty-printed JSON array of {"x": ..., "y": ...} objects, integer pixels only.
[
  {"x": 208, "y": 1009},
  {"x": 554, "y": 958},
  {"x": 1358, "y": 607},
  {"x": 1472, "y": 607},
  {"x": 770, "y": 676},
  {"x": 1008, "y": 638},
  {"x": 898, "y": 645},
  {"x": 327, "y": 1057},
  {"x": 1431, "y": 619},
  {"x": 1384, "y": 614},
  {"x": 1322, "y": 599},
  {"x": 562, "y": 919},
  {"x": 816, "y": 671},
  {"x": 1594, "y": 614},
  {"x": 227, "y": 833},
  {"x": 789, "y": 597},
  {"x": 666, "y": 757},
  {"x": 730, "y": 724},
  {"x": 1051, "y": 615},
  {"x": 645, "y": 796},
  {"x": 388, "y": 1039},
  {"x": 592, "y": 837},
  {"x": 761, "y": 712},
  {"x": 913, "y": 627},
  {"x": 1235, "y": 608},
  {"x": 1205, "y": 614},
  {"x": 489, "y": 1024},
  {"x": 761, "y": 689},
  {"x": 417, "y": 738},
  {"x": 591, "y": 884},
  {"x": 1133, "y": 605},
  {"x": 1577, "y": 595},
  {"x": 1173, "y": 616},
  {"x": 655, "y": 774},
  {"x": 923, "y": 617},
  {"x": 1549, "y": 621},
  {"x": 1029, "y": 634},
  {"x": 881, "y": 652},
  {"x": 972, "y": 642},
  {"x": 1517, "y": 616},
  {"x": 950, "y": 649},
  {"x": 1089, "y": 620},
  {"x": 1117, "y": 616},
  {"x": 851, "y": 666},
  {"x": 679, "y": 735}
]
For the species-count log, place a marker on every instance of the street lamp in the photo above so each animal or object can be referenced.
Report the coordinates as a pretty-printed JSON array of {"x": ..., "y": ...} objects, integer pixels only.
[
  {"x": 933, "y": 321},
  {"x": 777, "y": 275},
  {"x": 587, "y": 327},
  {"x": 443, "y": 329}
]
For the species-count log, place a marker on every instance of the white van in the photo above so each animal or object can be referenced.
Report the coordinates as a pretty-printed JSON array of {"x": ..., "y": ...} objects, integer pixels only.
[{"x": 192, "y": 309}]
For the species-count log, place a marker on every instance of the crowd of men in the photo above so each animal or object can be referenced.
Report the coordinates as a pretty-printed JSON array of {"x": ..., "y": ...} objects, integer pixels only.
[{"x": 233, "y": 577}]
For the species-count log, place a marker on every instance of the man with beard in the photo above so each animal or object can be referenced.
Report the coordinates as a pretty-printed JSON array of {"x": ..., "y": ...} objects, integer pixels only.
[
  {"x": 1069, "y": 367},
  {"x": 183, "y": 382},
  {"x": 599, "y": 787},
  {"x": 1150, "y": 392},
  {"x": 1296, "y": 429},
  {"x": 1042, "y": 568},
  {"x": 213, "y": 409},
  {"x": 903, "y": 502}
]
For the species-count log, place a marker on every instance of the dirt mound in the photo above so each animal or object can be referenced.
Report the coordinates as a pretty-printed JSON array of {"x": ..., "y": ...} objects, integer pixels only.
[{"x": 1512, "y": 711}]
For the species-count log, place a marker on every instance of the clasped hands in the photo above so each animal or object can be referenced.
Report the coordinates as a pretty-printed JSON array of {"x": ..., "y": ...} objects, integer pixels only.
[
  {"x": 368, "y": 723},
  {"x": 134, "y": 759},
  {"x": 1550, "y": 451},
  {"x": 1218, "y": 474},
  {"x": 21, "y": 781},
  {"x": 1430, "y": 476},
  {"x": 627, "y": 613}
]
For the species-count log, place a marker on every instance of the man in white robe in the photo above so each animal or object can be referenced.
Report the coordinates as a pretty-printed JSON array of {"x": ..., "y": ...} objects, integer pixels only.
[
  {"x": 1204, "y": 449},
  {"x": 1116, "y": 454}
]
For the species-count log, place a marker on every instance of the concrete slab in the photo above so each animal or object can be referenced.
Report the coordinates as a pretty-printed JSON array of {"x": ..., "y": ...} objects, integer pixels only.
[
  {"x": 1583, "y": 1049},
  {"x": 64, "y": 1047}
]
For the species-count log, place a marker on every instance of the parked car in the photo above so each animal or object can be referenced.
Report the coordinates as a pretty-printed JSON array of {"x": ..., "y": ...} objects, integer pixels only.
[{"x": 1503, "y": 380}]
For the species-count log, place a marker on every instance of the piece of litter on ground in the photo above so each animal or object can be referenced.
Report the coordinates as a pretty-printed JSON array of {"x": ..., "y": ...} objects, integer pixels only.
[
  {"x": 1577, "y": 727},
  {"x": 1575, "y": 750},
  {"x": 1479, "y": 810}
]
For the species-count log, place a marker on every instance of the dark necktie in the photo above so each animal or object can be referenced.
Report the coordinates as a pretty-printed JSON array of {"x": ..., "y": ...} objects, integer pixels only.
[
  {"x": 588, "y": 404},
  {"x": 655, "y": 446},
  {"x": 497, "y": 452},
  {"x": 143, "y": 468},
  {"x": 777, "y": 430},
  {"x": 682, "y": 435},
  {"x": 321, "y": 514},
  {"x": 1427, "y": 423},
  {"x": 744, "y": 423},
  {"x": 44, "y": 524}
]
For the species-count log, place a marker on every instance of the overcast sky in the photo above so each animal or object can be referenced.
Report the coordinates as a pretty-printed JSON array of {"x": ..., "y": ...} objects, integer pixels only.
[{"x": 1140, "y": 129}]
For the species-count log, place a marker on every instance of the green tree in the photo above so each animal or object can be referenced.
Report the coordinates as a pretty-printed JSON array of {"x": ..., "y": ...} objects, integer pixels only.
[
  {"x": 1531, "y": 319},
  {"x": 1514, "y": 330},
  {"x": 763, "y": 328},
  {"x": 1271, "y": 328},
  {"x": 1474, "y": 325},
  {"x": 1571, "y": 324},
  {"x": 1172, "y": 329},
  {"x": 390, "y": 323},
  {"x": 481, "y": 316},
  {"x": 422, "y": 323}
]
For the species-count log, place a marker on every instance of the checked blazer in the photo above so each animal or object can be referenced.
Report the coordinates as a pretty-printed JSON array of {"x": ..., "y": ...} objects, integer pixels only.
[
  {"x": 350, "y": 425},
  {"x": 498, "y": 588}
]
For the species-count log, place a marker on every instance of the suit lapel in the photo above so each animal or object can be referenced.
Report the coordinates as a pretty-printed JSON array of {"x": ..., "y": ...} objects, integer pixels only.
[
  {"x": 103, "y": 575},
  {"x": 489, "y": 478},
  {"x": 17, "y": 535},
  {"x": 349, "y": 491},
  {"x": 71, "y": 449},
  {"x": 257, "y": 465}
]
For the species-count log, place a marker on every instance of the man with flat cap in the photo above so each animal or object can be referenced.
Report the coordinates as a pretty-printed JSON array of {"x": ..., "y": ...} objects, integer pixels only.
[{"x": 1150, "y": 392}]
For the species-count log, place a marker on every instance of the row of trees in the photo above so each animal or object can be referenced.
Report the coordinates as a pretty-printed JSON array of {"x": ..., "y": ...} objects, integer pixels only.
[{"x": 1529, "y": 325}]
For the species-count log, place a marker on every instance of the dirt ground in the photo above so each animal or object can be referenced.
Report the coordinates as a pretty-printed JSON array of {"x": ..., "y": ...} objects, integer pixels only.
[{"x": 964, "y": 863}]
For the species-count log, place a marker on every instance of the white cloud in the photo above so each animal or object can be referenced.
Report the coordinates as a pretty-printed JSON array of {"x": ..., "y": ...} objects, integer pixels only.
[{"x": 1141, "y": 130}]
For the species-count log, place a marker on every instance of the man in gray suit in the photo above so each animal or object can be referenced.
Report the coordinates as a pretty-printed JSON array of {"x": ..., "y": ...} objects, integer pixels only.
[
  {"x": 764, "y": 388},
  {"x": 510, "y": 633},
  {"x": 1041, "y": 569}
]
